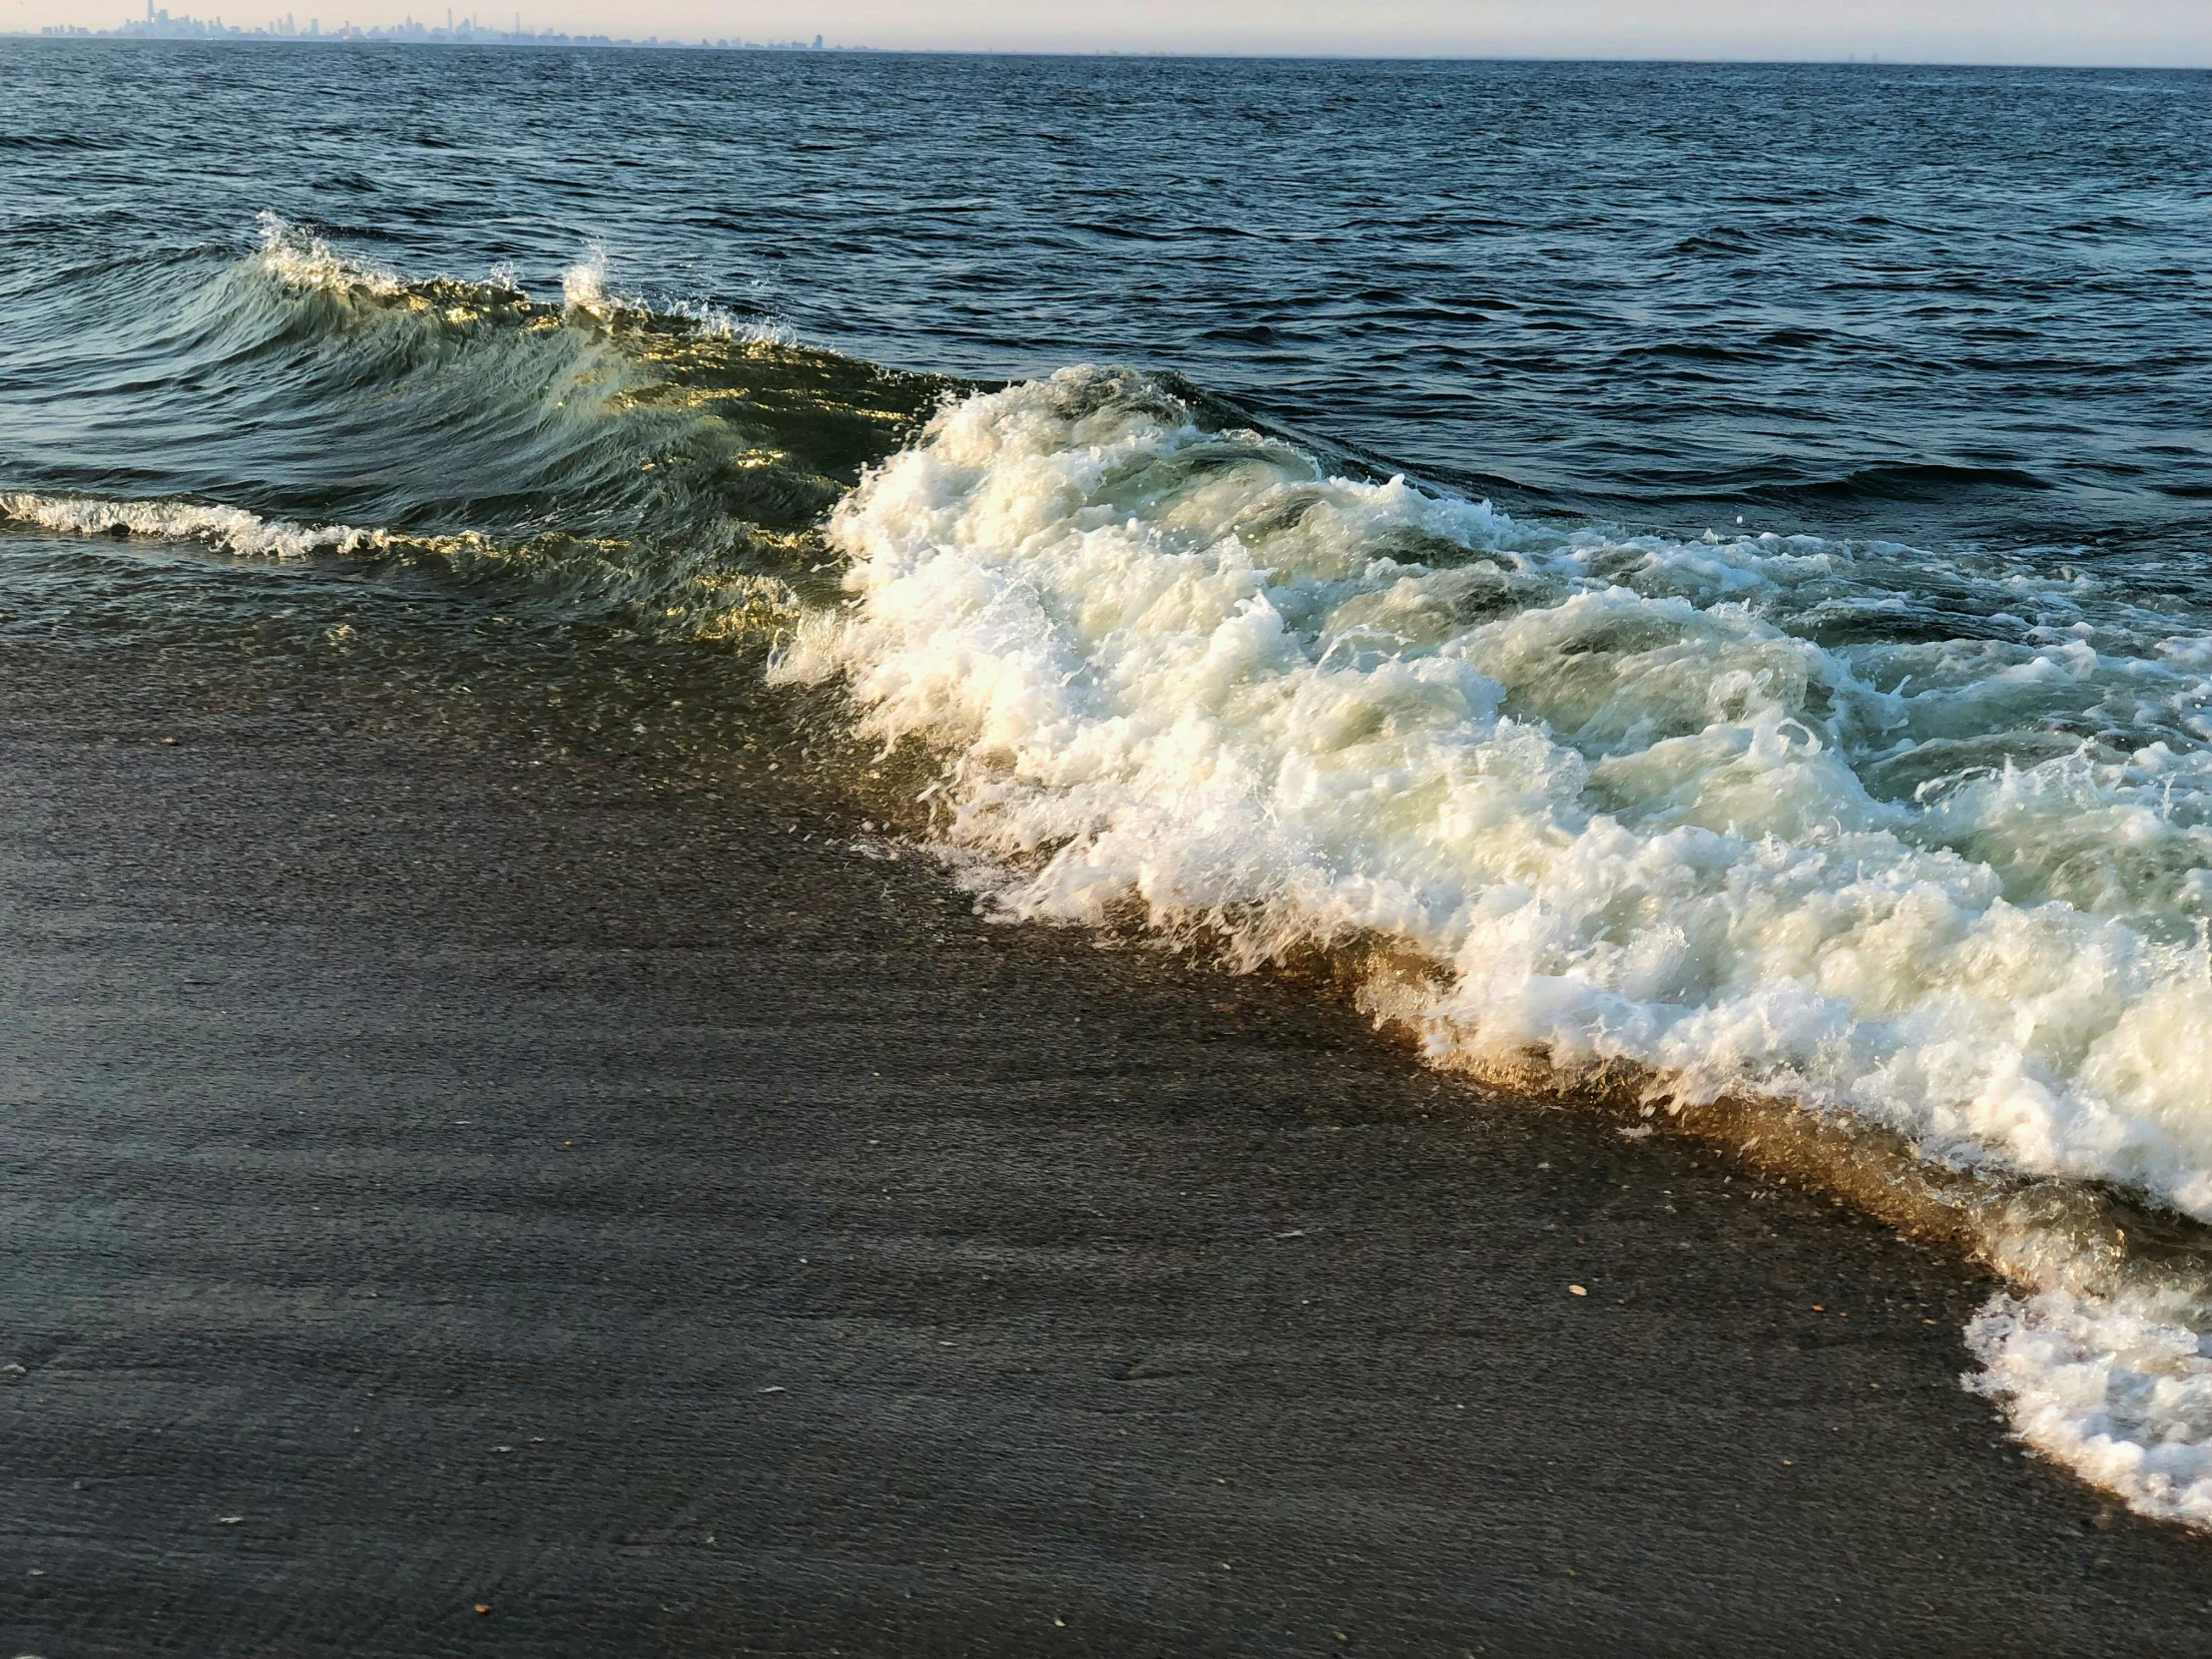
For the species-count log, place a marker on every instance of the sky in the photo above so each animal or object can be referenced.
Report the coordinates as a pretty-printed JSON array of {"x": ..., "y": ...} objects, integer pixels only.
[{"x": 2087, "y": 32}]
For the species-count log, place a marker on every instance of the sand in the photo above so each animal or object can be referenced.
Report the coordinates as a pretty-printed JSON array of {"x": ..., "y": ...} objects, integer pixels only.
[{"x": 443, "y": 1173}]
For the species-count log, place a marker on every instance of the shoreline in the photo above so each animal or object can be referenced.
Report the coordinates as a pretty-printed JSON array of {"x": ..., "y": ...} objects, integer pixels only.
[{"x": 510, "y": 1179}]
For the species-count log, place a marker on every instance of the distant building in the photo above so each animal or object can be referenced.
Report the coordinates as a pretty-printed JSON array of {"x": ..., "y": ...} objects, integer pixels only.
[{"x": 159, "y": 25}]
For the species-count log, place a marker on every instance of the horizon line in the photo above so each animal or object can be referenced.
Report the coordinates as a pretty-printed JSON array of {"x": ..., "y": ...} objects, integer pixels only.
[{"x": 554, "y": 40}]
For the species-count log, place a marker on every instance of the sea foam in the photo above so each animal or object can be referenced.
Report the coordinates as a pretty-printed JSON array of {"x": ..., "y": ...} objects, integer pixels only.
[
  {"x": 1920, "y": 841},
  {"x": 296, "y": 256},
  {"x": 232, "y": 529}
]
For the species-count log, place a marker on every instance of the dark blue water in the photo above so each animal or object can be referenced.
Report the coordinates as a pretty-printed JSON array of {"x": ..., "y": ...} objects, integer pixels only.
[{"x": 1939, "y": 305}]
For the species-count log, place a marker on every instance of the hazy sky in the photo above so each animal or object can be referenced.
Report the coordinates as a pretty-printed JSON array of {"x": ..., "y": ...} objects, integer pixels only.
[{"x": 1983, "y": 31}]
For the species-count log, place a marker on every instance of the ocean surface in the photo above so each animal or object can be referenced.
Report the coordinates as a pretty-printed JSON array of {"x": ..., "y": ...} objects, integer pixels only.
[{"x": 1692, "y": 581}]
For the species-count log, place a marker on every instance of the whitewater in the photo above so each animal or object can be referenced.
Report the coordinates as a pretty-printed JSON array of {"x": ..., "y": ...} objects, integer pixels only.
[
  {"x": 1913, "y": 844},
  {"x": 1728, "y": 811},
  {"x": 791, "y": 618}
]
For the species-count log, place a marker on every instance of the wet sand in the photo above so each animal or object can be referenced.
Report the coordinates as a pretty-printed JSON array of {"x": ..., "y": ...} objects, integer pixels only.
[{"x": 442, "y": 1174}]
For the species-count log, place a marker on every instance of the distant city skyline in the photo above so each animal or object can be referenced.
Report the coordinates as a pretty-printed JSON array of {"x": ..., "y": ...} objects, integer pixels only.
[
  {"x": 2151, "y": 33},
  {"x": 459, "y": 28}
]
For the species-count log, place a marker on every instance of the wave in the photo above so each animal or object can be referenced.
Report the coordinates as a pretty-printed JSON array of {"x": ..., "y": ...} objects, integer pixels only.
[
  {"x": 1927, "y": 482},
  {"x": 229, "y": 529},
  {"x": 600, "y": 451},
  {"x": 1762, "y": 832},
  {"x": 706, "y": 596},
  {"x": 458, "y": 402},
  {"x": 296, "y": 256},
  {"x": 52, "y": 141},
  {"x": 1716, "y": 815}
]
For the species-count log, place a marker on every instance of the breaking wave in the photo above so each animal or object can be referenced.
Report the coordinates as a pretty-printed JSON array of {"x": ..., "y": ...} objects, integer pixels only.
[
  {"x": 669, "y": 466},
  {"x": 1910, "y": 853},
  {"x": 228, "y": 530},
  {"x": 1916, "y": 842}
]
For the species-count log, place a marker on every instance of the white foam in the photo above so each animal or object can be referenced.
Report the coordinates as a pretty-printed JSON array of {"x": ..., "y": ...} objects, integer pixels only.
[
  {"x": 721, "y": 322},
  {"x": 2102, "y": 1362},
  {"x": 301, "y": 260},
  {"x": 584, "y": 287},
  {"x": 584, "y": 284},
  {"x": 1656, "y": 801},
  {"x": 232, "y": 529},
  {"x": 2118, "y": 1391}
]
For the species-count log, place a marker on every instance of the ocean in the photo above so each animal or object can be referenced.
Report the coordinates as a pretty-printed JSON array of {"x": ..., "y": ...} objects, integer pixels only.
[{"x": 1686, "y": 583}]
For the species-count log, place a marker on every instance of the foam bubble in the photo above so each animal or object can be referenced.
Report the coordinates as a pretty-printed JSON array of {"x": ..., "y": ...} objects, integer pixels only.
[{"x": 1706, "y": 808}]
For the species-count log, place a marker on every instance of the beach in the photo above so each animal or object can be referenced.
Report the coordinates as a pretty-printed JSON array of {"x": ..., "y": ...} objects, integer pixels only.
[
  {"x": 635, "y": 1201},
  {"x": 903, "y": 852}
]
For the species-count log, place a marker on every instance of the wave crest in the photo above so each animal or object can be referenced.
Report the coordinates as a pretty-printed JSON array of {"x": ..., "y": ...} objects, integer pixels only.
[
  {"x": 301, "y": 258},
  {"x": 1692, "y": 806},
  {"x": 232, "y": 529}
]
